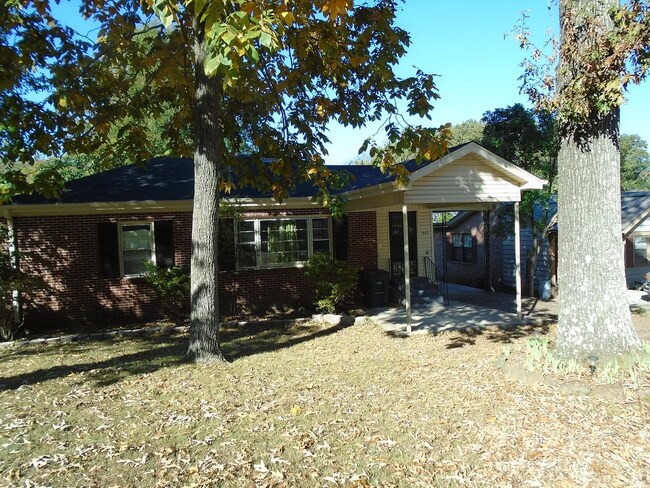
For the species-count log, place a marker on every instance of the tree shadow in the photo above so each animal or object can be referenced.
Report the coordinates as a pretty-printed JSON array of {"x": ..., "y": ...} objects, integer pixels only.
[
  {"x": 256, "y": 338},
  {"x": 159, "y": 352},
  {"x": 157, "y": 355}
]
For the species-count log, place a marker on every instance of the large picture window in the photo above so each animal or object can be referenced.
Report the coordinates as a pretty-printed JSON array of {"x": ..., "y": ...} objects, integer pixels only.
[
  {"x": 136, "y": 246},
  {"x": 281, "y": 242}
]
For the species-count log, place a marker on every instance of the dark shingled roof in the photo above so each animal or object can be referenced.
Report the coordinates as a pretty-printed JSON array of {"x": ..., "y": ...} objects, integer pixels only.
[
  {"x": 633, "y": 205},
  {"x": 164, "y": 179}
]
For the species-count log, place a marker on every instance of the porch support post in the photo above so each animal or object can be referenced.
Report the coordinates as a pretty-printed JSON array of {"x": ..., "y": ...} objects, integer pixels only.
[
  {"x": 517, "y": 261},
  {"x": 407, "y": 266}
]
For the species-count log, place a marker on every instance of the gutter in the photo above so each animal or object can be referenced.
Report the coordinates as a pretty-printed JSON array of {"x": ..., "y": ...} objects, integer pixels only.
[{"x": 13, "y": 259}]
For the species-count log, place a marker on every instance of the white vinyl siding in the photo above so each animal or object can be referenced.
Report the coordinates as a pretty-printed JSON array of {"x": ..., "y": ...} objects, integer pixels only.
[{"x": 467, "y": 180}]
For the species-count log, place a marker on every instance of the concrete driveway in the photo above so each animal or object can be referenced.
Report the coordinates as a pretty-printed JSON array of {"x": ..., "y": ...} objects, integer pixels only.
[{"x": 471, "y": 308}]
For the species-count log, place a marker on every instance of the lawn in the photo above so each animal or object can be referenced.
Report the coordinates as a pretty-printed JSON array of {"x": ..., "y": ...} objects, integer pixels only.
[{"x": 306, "y": 405}]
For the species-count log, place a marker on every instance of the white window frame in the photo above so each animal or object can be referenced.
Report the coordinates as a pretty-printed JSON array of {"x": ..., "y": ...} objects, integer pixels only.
[
  {"x": 258, "y": 239},
  {"x": 120, "y": 242},
  {"x": 646, "y": 236}
]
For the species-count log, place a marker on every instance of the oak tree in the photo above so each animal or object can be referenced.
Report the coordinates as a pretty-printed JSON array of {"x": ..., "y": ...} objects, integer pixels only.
[
  {"x": 603, "y": 48},
  {"x": 275, "y": 72}
]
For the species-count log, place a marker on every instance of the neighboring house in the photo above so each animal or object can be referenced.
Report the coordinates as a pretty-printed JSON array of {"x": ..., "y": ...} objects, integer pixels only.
[
  {"x": 90, "y": 245},
  {"x": 635, "y": 220},
  {"x": 462, "y": 238}
]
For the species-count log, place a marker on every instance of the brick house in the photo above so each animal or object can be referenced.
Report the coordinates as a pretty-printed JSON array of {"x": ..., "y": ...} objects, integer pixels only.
[{"x": 89, "y": 246}]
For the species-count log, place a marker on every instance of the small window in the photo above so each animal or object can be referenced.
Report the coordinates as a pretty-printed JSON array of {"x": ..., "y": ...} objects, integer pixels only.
[
  {"x": 137, "y": 247},
  {"x": 321, "y": 235},
  {"x": 641, "y": 251},
  {"x": 463, "y": 250}
]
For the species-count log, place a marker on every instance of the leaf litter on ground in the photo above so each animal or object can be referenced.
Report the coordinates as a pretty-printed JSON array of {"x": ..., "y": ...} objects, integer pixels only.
[{"x": 305, "y": 405}]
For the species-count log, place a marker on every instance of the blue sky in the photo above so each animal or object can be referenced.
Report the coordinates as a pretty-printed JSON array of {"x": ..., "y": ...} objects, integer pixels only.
[
  {"x": 478, "y": 68},
  {"x": 464, "y": 43}
]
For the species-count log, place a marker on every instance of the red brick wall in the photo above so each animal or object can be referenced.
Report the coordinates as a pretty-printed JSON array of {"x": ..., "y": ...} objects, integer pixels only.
[
  {"x": 64, "y": 251},
  {"x": 362, "y": 240}
]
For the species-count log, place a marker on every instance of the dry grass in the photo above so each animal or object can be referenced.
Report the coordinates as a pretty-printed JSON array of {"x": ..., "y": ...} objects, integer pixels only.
[{"x": 305, "y": 406}]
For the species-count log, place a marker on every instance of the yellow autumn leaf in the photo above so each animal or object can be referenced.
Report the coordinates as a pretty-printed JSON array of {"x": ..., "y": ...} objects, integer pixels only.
[{"x": 336, "y": 8}]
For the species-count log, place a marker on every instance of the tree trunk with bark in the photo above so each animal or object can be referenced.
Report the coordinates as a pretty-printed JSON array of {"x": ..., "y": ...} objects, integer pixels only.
[
  {"x": 594, "y": 316},
  {"x": 204, "y": 319}
]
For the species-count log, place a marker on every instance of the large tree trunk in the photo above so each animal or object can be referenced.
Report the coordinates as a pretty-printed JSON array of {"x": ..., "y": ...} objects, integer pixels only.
[
  {"x": 594, "y": 314},
  {"x": 204, "y": 322}
]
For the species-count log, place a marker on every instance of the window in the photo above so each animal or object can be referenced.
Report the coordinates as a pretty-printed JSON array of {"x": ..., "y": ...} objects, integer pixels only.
[
  {"x": 278, "y": 242},
  {"x": 125, "y": 246},
  {"x": 641, "y": 251},
  {"x": 136, "y": 246},
  {"x": 462, "y": 248}
]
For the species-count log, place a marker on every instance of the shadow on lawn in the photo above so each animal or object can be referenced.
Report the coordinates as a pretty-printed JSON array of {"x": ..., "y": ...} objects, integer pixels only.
[
  {"x": 158, "y": 352},
  {"x": 106, "y": 371},
  {"x": 500, "y": 335}
]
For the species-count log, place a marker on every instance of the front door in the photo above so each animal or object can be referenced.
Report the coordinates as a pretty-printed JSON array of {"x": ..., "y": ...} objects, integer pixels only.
[{"x": 396, "y": 236}]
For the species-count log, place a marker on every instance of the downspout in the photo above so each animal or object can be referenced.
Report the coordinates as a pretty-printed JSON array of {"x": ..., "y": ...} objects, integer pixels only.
[{"x": 13, "y": 260}]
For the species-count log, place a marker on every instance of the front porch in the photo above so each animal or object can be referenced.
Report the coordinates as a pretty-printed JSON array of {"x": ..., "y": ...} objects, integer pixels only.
[{"x": 469, "y": 178}]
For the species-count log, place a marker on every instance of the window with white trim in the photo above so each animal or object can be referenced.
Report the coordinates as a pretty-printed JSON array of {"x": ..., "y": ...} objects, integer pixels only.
[
  {"x": 641, "y": 250},
  {"x": 136, "y": 247},
  {"x": 281, "y": 242}
]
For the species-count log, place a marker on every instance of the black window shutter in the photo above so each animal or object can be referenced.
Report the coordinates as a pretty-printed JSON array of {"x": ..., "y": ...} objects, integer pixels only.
[
  {"x": 164, "y": 241},
  {"x": 226, "y": 253},
  {"x": 109, "y": 257},
  {"x": 340, "y": 237}
]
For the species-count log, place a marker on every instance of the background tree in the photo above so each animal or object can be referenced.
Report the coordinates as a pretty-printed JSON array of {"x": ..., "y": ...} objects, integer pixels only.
[
  {"x": 468, "y": 131},
  {"x": 635, "y": 163},
  {"x": 528, "y": 139},
  {"x": 279, "y": 71}
]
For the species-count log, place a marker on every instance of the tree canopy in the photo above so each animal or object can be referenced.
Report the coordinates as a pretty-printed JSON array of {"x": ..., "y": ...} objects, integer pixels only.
[
  {"x": 269, "y": 74},
  {"x": 635, "y": 163}
]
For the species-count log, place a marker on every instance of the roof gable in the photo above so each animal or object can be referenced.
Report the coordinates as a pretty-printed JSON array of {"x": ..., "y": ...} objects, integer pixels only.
[{"x": 635, "y": 208}]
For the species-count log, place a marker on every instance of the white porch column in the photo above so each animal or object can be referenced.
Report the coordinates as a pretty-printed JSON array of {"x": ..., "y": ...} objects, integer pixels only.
[
  {"x": 517, "y": 261},
  {"x": 407, "y": 266}
]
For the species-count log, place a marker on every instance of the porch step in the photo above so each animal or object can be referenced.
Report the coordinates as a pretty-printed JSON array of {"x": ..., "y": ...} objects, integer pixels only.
[{"x": 424, "y": 294}]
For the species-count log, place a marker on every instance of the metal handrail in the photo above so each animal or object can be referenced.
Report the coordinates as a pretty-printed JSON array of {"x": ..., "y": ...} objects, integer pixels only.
[
  {"x": 431, "y": 271},
  {"x": 436, "y": 280}
]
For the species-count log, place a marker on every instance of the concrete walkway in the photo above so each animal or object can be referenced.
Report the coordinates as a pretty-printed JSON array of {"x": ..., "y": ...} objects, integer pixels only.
[{"x": 471, "y": 308}]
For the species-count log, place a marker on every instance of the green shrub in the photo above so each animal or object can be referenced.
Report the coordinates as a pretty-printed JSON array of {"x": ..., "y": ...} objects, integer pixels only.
[
  {"x": 172, "y": 287},
  {"x": 335, "y": 282}
]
